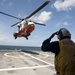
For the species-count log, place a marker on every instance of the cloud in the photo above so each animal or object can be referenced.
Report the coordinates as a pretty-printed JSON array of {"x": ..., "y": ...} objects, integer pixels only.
[
  {"x": 64, "y": 5},
  {"x": 42, "y": 17},
  {"x": 66, "y": 23},
  {"x": 58, "y": 24}
]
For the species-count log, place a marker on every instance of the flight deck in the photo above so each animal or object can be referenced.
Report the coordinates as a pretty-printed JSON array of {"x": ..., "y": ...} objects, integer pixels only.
[{"x": 26, "y": 63}]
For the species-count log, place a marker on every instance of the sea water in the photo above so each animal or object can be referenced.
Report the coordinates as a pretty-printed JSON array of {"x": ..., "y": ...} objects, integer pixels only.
[{"x": 28, "y": 48}]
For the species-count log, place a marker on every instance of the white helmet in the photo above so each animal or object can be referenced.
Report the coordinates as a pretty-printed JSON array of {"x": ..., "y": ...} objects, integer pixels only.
[{"x": 63, "y": 33}]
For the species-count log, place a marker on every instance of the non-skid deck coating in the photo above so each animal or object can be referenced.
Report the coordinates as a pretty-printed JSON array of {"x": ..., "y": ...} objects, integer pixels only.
[{"x": 26, "y": 63}]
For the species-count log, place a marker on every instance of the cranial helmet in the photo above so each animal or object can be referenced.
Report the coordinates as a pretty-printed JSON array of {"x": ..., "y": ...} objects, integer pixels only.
[{"x": 63, "y": 33}]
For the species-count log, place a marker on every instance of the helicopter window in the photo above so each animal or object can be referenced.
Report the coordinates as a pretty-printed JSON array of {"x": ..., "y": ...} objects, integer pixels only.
[{"x": 25, "y": 24}]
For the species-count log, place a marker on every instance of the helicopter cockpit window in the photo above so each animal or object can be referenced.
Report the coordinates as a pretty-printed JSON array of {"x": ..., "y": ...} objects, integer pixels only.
[{"x": 26, "y": 24}]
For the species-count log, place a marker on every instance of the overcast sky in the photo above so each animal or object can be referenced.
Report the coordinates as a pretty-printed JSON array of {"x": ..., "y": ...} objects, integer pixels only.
[{"x": 57, "y": 14}]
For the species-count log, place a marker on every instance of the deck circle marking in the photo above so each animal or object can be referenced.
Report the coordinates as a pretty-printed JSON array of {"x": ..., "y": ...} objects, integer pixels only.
[{"x": 21, "y": 68}]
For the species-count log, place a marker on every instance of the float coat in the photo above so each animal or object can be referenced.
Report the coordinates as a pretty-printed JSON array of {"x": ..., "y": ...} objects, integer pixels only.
[{"x": 65, "y": 60}]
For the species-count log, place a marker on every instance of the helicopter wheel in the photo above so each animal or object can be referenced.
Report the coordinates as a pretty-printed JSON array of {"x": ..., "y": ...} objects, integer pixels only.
[
  {"x": 26, "y": 38},
  {"x": 15, "y": 37}
]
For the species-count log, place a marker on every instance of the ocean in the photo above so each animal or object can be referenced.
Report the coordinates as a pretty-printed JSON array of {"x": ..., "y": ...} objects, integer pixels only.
[{"x": 26, "y": 48}]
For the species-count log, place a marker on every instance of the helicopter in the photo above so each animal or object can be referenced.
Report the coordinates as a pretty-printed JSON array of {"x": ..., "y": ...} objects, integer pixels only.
[{"x": 25, "y": 26}]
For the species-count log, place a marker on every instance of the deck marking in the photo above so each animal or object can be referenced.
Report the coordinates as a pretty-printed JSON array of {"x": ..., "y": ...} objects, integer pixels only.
[
  {"x": 7, "y": 55},
  {"x": 38, "y": 59},
  {"x": 21, "y": 68},
  {"x": 45, "y": 56}
]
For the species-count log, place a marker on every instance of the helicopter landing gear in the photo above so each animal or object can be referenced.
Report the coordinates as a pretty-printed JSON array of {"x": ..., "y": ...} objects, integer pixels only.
[
  {"x": 15, "y": 36},
  {"x": 28, "y": 34},
  {"x": 26, "y": 38}
]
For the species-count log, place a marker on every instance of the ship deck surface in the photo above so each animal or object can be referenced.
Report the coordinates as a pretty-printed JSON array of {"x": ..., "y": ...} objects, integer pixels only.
[{"x": 26, "y": 63}]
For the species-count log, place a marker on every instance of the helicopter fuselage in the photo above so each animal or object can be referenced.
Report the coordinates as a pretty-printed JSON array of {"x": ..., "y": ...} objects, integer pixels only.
[
  {"x": 25, "y": 27},
  {"x": 24, "y": 32}
]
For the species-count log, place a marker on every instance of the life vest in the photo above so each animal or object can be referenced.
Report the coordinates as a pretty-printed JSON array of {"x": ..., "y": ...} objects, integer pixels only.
[{"x": 65, "y": 60}]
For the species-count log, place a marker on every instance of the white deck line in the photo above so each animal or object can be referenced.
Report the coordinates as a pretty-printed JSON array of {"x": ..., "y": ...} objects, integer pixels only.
[
  {"x": 21, "y": 68},
  {"x": 38, "y": 59}
]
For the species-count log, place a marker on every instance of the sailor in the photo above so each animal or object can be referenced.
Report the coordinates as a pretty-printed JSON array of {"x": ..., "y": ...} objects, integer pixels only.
[{"x": 64, "y": 51}]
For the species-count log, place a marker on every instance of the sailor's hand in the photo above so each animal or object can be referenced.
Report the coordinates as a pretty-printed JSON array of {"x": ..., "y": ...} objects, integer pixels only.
[{"x": 53, "y": 35}]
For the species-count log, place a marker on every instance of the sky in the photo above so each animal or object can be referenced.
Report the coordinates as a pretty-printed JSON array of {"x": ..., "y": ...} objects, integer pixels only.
[{"x": 57, "y": 14}]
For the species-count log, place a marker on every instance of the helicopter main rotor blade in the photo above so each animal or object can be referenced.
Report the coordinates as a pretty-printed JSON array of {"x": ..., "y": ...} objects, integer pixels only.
[
  {"x": 16, "y": 23},
  {"x": 43, "y": 5},
  {"x": 39, "y": 23},
  {"x": 10, "y": 15}
]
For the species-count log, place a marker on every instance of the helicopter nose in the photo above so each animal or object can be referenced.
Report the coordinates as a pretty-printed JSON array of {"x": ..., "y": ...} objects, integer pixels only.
[{"x": 32, "y": 25}]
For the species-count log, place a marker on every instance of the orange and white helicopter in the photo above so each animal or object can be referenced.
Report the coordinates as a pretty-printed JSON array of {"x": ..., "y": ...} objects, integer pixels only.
[{"x": 25, "y": 27}]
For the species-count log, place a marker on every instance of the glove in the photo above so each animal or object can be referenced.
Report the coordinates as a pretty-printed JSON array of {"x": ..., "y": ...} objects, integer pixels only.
[{"x": 53, "y": 35}]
